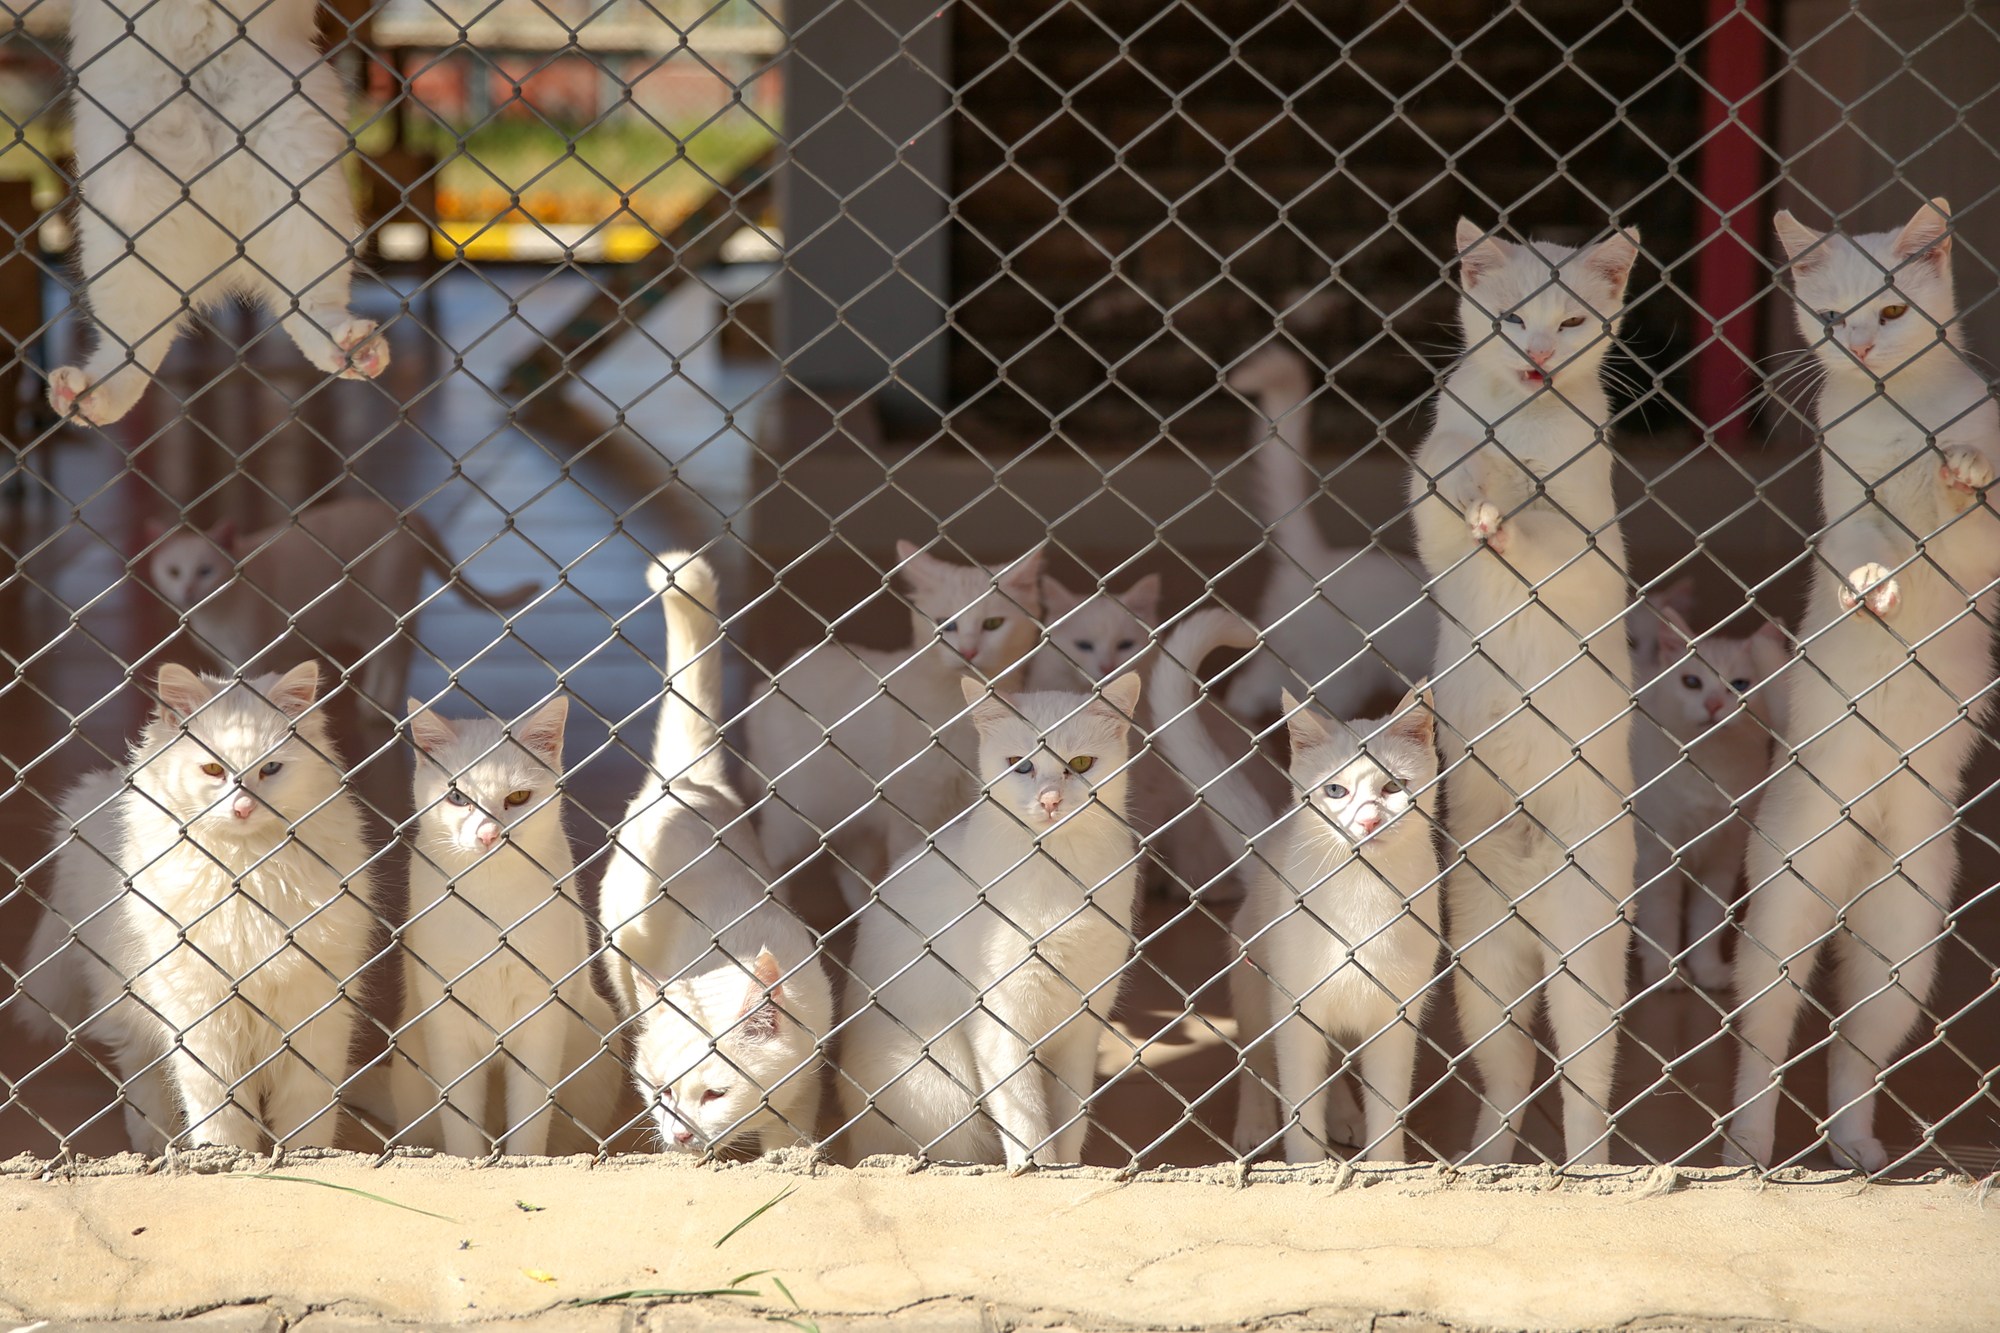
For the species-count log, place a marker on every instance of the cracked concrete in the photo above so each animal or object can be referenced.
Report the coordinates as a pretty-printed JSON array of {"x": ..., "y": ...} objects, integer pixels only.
[{"x": 225, "y": 1244}]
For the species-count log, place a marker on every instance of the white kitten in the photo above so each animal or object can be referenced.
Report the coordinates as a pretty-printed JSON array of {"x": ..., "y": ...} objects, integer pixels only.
[
  {"x": 837, "y": 721},
  {"x": 731, "y": 1000},
  {"x": 987, "y": 973},
  {"x": 505, "y": 1036},
  {"x": 343, "y": 572},
  {"x": 1518, "y": 528},
  {"x": 251, "y": 907},
  {"x": 209, "y": 139},
  {"x": 1700, "y": 748},
  {"x": 1340, "y": 922},
  {"x": 1351, "y": 621},
  {"x": 1854, "y": 843}
]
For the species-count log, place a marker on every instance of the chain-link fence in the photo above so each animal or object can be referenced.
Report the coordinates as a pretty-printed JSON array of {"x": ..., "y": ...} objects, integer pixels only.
[{"x": 1049, "y": 583}]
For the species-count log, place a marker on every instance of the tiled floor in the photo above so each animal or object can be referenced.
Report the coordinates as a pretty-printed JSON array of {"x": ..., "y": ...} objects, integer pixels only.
[{"x": 567, "y": 499}]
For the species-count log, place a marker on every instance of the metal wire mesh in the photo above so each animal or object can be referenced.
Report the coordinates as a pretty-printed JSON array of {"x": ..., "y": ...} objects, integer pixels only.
[{"x": 877, "y": 348}]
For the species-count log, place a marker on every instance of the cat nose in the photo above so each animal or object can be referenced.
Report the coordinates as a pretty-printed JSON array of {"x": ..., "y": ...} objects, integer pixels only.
[
  {"x": 489, "y": 833},
  {"x": 1715, "y": 706},
  {"x": 1369, "y": 820},
  {"x": 244, "y": 806},
  {"x": 1861, "y": 350},
  {"x": 1050, "y": 799},
  {"x": 1540, "y": 355},
  {"x": 683, "y": 1136}
]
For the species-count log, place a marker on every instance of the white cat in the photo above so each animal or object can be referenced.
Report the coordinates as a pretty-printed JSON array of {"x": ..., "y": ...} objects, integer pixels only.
[
  {"x": 343, "y": 571},
  {"x": 731, "y": 1000},
  {"x": 838, "y": 721},
  {"x": 1352, "y": 621},
  {"x": 1518, "y": 528},
  {"x": 250, "y": 912},
  {"x": 987, "y": 973},
  {"x": 1340, "y": 923},
  {"x": 1701, "y": 747},
  {"x": 507, "y": 1040},
  {"x": 1855, "y": 841},
  {"x": 209, "y": 144},
  {"x": 73, "y": 977}
]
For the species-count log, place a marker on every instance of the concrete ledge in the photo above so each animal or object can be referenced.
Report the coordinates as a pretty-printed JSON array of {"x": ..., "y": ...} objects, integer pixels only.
[{"x": 247, "y": 1248}]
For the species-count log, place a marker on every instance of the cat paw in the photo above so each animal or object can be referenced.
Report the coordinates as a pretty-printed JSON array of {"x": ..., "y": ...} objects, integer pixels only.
[
  {"x": 73, "y": 396},
  {"x": 1965, "y": 470},
  {"x": 1742, "y": 1148},
  {"x": 1874, "y": 587},
  {"x": 1711, "y": 975},
  {"x": 364, "y": 351},
  {"x": 1866, "y": 1154},
  {"x": 1483, "y": 520}
]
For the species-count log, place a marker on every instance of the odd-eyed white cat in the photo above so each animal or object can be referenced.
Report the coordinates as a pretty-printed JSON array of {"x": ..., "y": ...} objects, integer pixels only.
[
  {"x": 1340, "y": 923},
  {"x": 1855, "y": 840},
  {"x": 1518, "y": 529},
  {"x": 730, "y": 999},
  {"x": 1352, "y": 621},
  {"x": 1701, "y": 747},
  {"x": 209, "y": 138},
  {"x": 838, "y": 721},
  {"x": 986, "y": 975},
  {"x": 342, "y": 571},
  {"x": 247, "y": 923},
  {"x": 506, "y": 1041}
]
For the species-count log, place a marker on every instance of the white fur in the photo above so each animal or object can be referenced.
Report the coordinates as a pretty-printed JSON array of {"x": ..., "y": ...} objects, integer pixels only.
[
  {"x": 1353, "y": 622},
  {"x": 250, "y": 69},
  {"x": 1700, "y": 748},
  {"x": 249, "y": 916},
  {"x": 1340, "y": 923},
  {"x": 838, "y": 721},
  {"x": 731, "y": 1000},
  {"x": 1518, "y": 529},
  {"x": 343, "y": 572},
  {"x": 986, "y": 975},
  {"x": 502, "y": 1028},
  {"x": 1879, "y": 880}
]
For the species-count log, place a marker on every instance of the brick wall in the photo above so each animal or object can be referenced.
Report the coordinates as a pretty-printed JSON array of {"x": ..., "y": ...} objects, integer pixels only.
[{"x": 1078, "y": 226}]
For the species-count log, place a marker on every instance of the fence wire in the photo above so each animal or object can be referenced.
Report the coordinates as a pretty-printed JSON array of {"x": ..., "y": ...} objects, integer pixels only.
[{"x": 1063, "y": 582}]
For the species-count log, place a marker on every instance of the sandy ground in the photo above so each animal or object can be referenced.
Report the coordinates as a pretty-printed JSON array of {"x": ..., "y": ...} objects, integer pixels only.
[{"x": 434, "y": 1240}]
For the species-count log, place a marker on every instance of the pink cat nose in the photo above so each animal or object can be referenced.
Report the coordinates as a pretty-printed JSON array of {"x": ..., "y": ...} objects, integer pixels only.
[
  {"x": 1715, "y": 707},
  {"x": 1051, "y": 800},
  {"x": 683, "y": 1136},
  {"x": 1861, "y": 350},
  {"x": 489, "y": 833},
  {"x": 1540, "y": 355},
  {"x": 1368, "y": 820},
  {"x": 243, "y": 806}
]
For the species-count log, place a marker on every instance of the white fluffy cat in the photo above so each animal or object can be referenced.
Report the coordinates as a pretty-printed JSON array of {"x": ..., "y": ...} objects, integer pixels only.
[
  {"x": 838, "y": 721},
  {"x": 1518, "y": 528},
  {"x": 1855, "y": 841},
  {"x": 1700, "y": 748},
  {"x": 731, "y": 1000},
  {"x": 507, "y": 1039},
  {"x": 986, "y": 975},
  {"x": 248, "y": 920},
  {"x": 209, "y": 139},
  {"x": 1340, "y": 923},
  {"x": 1321, "y": 604},
  {"x": 343, "y": 571}
]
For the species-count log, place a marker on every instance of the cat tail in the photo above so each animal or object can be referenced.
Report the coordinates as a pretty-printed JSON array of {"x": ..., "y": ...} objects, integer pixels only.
[
  {"x": 1279, "y": 381},
  {"x": 55, "y": 991},
  {"x": 687, "y": 741},
  {"x": 1233, "y": 804},
  {"x": 513, "y": 599}
]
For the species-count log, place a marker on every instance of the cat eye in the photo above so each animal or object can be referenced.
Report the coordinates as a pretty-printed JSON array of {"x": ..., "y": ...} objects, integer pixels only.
[
  {"x": 1336, "y": 792},
  {"x": 1740, "y": 685},
  {"x": 1574, "y": 321},
  {"x": 1392, "y": 788},
  {"x": 515, "y": 798},
  {"x": 1890, "y": 312},
  {"x": 213, "y": 770},
  {"x": 456, "y": 797},
  {"x": 1833, "y": 319},
  {"x": 949, "y": 627},
  {"x": 1020, "y": 765},
  {"x": 992, "y": 622},
  {"x": 1127, "y": 645},
  {"x": 1085, "y": 646},
  {"x": 713, "y": 1094},
  {"x": 270, "y": 770},
  {"x": 1082, "y": 763},
  {"x": 1515, "y": 320},
  {"x": 1692, "y": 682}
]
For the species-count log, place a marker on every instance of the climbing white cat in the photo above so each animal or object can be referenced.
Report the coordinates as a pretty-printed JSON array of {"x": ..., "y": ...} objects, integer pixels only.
[
  {"x": 1855, "y": 840},
  {"x": 209, "y": 144},
  {"x": 1517, "y": 527}
]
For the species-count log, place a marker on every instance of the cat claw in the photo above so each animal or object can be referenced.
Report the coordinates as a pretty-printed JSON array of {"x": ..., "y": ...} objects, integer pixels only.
[
  {"x": 1873, "y": 586},
  {"x": 1965, "y": 470},
  {"x": 364, "y": 351},
  {"x": 1487, "y": 526}
]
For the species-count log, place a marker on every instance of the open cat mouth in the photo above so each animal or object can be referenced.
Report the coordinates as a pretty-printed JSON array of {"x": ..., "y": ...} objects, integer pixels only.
[{"x": 1533, "y": 377}]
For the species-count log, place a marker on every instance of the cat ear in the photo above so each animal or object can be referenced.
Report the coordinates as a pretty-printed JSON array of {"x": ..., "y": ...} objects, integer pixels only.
[
  {"x": 431, "y": 732},
  {"x": 1674, "y": 635},
  {"x": 1676, "y": 596},
  {"x": 1302, "y": 723},
  {"x": 151, "y": 530},
  {"x": 1023, "y": 580},
  {"x": 223, "y": 535},
  {"x": 1479, "y": 254},
  {"x": 1058, "y": 601},
  {"x": 181, "y": 692},
  {"x": 1414, "y": 719},
  {"x": 1771, "y": 647},
  {"x": 1611, "y": 260},
  {"x": 1927, "y": 236},
  {"x": 760, "y": 1001},
  {"x": 296, "y": 689},
  {"x": 543, "y": 731},
  {"x": 1123, "y": 695},
  {"x": 989, "y": 707},
  {"x": 920, "y": 569},
  {"x": 1798, "y": 240},
  {"x": 1142, "y": 599}
]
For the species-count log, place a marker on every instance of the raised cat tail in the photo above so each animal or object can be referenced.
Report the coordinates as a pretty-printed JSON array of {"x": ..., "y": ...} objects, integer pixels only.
[
  {"x": 687, "y": 743},
  {"x": 1232, "y": 802},
  {"x": 513, "y": 599},
  {"x": 1277, "y": 378}
]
